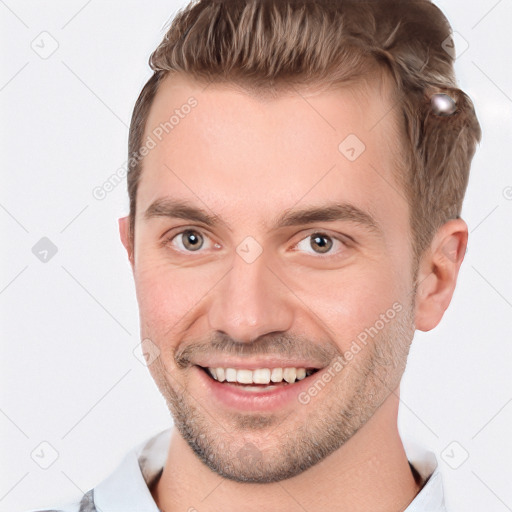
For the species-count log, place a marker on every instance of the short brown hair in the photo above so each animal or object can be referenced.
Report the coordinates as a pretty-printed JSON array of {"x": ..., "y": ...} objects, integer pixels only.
[{"x": 269, "y": 45}]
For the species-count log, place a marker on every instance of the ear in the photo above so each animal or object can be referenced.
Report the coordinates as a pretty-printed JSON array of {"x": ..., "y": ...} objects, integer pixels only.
[
  {"x": 124, "y": 232},
  {"x": 438, "y": 271}
]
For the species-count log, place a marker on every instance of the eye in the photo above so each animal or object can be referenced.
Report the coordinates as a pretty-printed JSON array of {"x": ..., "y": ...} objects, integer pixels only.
[
  {"x": 189, "y": 240},
  {"x": 192, "y": 240},
  {"x": 319, "y": 243}
]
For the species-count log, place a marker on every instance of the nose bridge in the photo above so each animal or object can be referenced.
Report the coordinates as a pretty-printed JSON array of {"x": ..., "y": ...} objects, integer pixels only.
[{"x": 250, "y": 301}]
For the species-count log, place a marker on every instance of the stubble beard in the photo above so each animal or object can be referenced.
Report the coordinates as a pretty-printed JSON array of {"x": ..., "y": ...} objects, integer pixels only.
[{"x": 258, "y": 447}]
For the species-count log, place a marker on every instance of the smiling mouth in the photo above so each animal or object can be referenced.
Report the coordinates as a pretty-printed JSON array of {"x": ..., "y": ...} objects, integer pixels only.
[{"x": 258, "y": 378}]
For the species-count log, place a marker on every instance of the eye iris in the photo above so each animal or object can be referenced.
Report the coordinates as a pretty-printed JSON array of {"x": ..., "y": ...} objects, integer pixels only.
[
  {"x": 320, "y": 241},
  {"x": 191, "y": 240}
]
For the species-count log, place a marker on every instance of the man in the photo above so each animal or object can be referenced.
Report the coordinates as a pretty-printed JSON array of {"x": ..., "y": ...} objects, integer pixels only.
[{"x": 296, "y": 180}]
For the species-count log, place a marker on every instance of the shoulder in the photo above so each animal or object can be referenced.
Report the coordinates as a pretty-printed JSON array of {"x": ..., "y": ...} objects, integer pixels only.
[
  {"x": 83, "y": 504},
  {"x": 127, "y": 488}
]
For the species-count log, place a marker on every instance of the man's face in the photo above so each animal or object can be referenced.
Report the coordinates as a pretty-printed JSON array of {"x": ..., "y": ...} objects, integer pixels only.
[{"x": 253, "y": 291}]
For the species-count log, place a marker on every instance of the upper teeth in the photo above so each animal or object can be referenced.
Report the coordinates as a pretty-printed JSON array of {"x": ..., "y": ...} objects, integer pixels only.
[{"x": 259, "y": 376}]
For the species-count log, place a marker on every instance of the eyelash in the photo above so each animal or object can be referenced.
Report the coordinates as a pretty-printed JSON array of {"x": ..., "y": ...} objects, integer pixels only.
[{"x": 343, "y": 243}]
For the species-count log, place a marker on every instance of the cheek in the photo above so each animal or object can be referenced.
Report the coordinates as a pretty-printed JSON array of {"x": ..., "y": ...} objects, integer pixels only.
[
  {"x": 348, "y": 302},
  {"x": 167, "y": 294}
]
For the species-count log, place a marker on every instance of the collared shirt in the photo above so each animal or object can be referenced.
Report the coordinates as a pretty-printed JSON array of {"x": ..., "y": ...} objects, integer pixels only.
[{"x": 127, "y": 488}]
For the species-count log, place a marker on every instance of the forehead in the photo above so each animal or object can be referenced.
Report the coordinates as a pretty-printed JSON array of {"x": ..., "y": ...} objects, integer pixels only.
[{"x": 251, "y": 157}]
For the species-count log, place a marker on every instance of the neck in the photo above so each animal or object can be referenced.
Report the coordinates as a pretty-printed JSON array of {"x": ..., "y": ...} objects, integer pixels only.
[{"x": 369, "y": 472}]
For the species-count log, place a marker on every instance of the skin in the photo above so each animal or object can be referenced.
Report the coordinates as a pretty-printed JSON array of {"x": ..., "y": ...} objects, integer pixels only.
[{"x": 247, "y": 160}]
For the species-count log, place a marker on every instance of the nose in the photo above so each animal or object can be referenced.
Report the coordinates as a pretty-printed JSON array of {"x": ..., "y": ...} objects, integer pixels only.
[{"x": 250, "y": 301}]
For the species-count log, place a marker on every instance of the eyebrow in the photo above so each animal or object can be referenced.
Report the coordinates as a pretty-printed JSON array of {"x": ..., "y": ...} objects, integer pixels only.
[{"x": 331, "y": 212}]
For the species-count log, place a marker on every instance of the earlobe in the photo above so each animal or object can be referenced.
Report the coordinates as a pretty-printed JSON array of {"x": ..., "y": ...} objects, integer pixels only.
[
  {"x": 124, "y": 233},
  {"x": 437, "y": 274}
]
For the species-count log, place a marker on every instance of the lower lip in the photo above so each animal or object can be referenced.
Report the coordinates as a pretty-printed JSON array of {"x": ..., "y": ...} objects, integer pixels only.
[{"x": 251, "y": 400}]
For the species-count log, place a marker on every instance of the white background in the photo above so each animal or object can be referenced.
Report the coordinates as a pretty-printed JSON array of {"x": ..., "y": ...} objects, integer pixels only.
[{"x": 69, "y": 326}]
